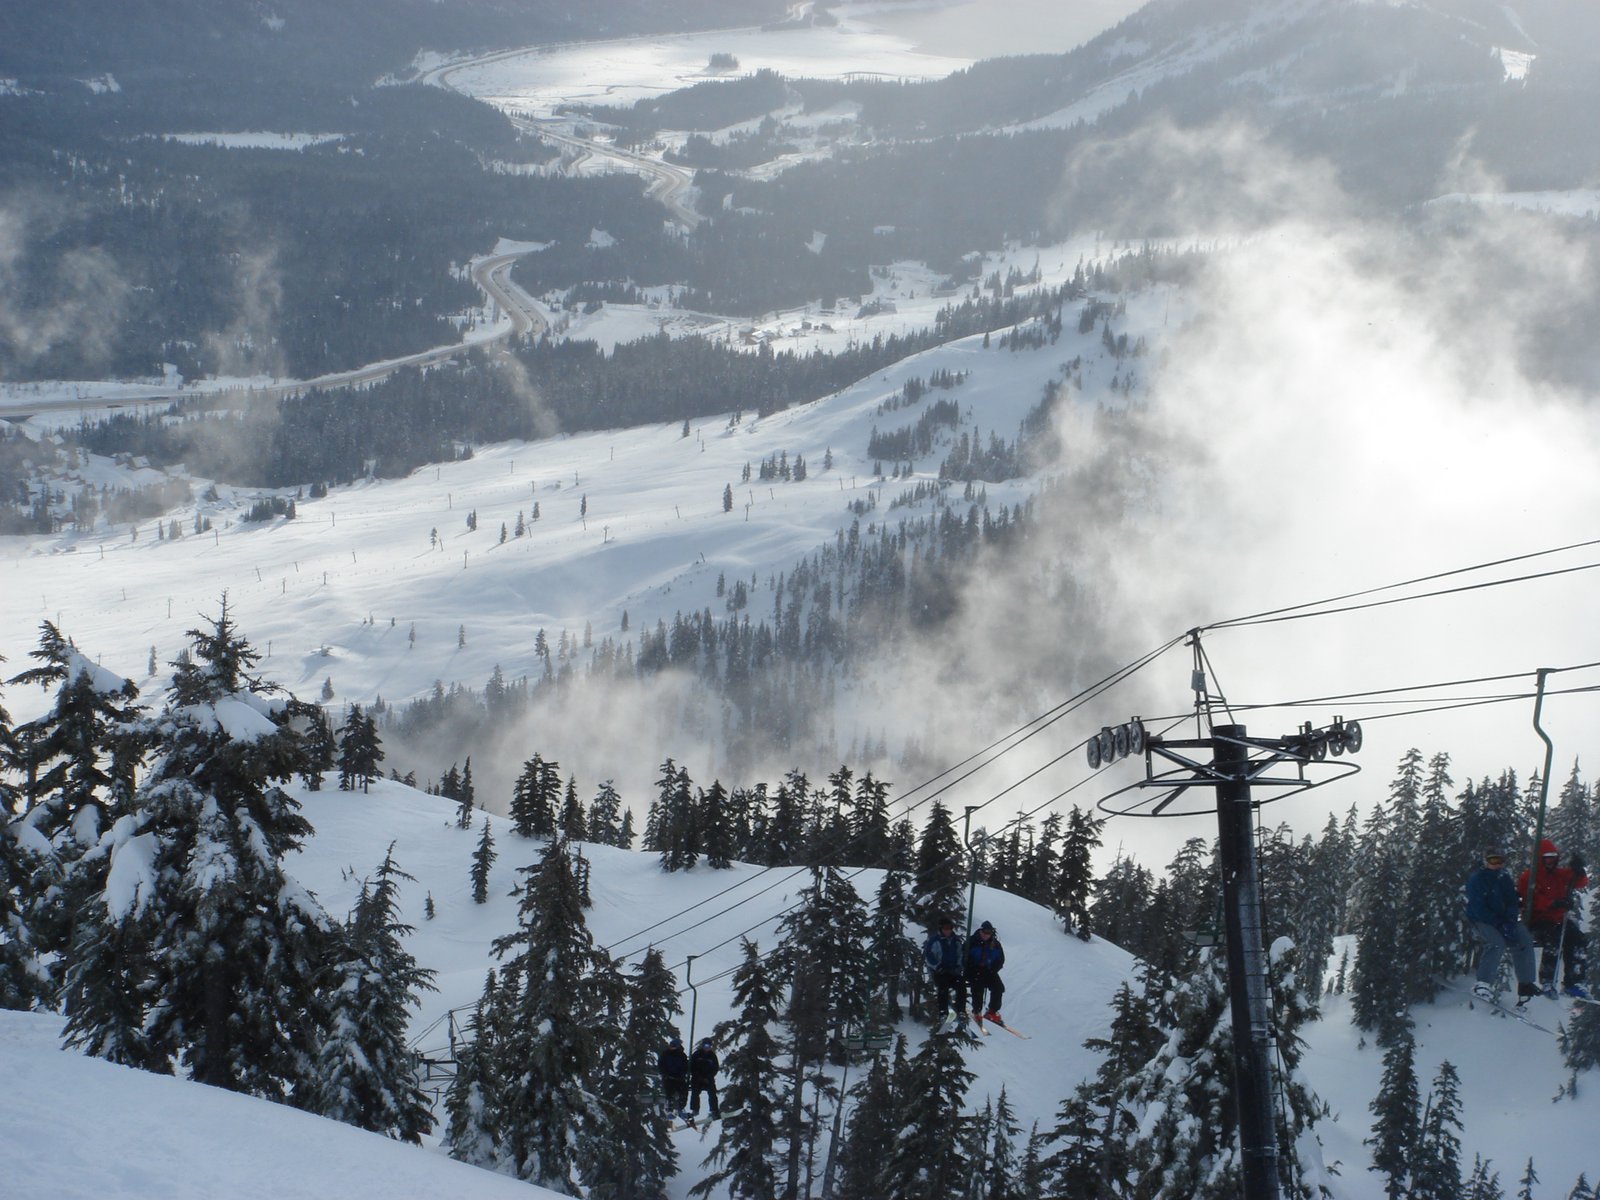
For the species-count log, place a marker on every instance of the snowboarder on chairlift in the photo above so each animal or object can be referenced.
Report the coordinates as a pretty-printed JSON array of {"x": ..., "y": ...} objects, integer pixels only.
[
  {"x": 942, "y": 953},
  {"x": 985, "y": 957},
  {"x": 1553, "y": 919},
  {"x": 673, "y": 1064},
  {"x": 1492, "y": 909}
]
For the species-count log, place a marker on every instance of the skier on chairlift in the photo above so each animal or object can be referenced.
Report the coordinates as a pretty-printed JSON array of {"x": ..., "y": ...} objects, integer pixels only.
[{"x": 1553, "y": 918}]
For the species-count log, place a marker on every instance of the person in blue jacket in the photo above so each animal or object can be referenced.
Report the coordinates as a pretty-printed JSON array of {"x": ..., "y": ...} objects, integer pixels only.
[
  {"x": 942, "y": 953},
  {"x": 1494, "y": 908},
  {"x": 985, "y": 957}
]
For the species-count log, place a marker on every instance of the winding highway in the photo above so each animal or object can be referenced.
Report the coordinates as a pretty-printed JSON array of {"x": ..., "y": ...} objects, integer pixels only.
[{"x": 491, "y": 274}]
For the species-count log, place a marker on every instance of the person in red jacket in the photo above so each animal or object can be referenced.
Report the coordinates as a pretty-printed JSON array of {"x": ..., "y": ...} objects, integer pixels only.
[{"x": 1552, "y": 918}]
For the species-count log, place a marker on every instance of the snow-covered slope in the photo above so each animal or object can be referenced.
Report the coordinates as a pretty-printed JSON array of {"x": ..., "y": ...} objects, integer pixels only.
[
  {"x": 78, "y": 1128},
  {"x": 72, "y": 1127},
  {"x": 630, "y": 522}
]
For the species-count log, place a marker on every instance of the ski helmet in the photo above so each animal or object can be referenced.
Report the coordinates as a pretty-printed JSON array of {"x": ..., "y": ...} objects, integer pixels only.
[
  {"x": 986, "y": 928},
  {"x": 1547, "y": 849}
]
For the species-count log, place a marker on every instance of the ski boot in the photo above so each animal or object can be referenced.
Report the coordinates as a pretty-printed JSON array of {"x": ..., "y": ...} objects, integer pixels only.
[
  {"x": 1576, "y": 990},
  {"x": 993, "y": 1015},
  {"x": 1484, "y": 992},
  {"x": 1526, "y": 992}
]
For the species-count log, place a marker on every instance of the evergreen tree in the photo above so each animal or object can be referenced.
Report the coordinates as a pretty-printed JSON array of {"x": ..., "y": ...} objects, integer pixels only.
[
  {"x": 1433, "y": 938},
  {"x": 716, "y": 839},
  {"x": 678, "y": 833},
  {"x": 1482, "y": 1184},
  {"x": 1095, "y": 1126},
  {"x": 1397, "y": 1126},
  {"x": 1378, "y": 983},
  {"x": 482, "y": 859},
  {"x": 473, "y": 1103},
  {"x": 1436, "y": 1170},
  {"x": 628, "y": 1153},
  {"x": 212, "y": 959},
  {"x": 78, "y": 763},
  {"x": 870, "y": 1129},
  {"x": 465, "y": 792},
  {"x": 605, "y": 825},
  {"x": 746, "y": 1153},
  {"x": 360, "y": 751},
  {"x": 1000, "y": 1172},
  {"x": 871, "y": 837},
  {"x": 897, "y": 960},
  {"x": 1186, "y": 1144},
  {"x": 573, "y": 826},
  {"x": 552, "y": 1043},
  {"x": 1075, "y": 873},
  {"x": 1525, "y": 1184},
  {"x": 824, "y": 939},
  {"x": 925, "y": 1160},
  {"x": 24, "y": 981},
  {"x": 940, "y": 882},
  {"x": 367, "y": 1073},
  {"x": 533, "y": 810},
  {"x": 320, "y": 745}
]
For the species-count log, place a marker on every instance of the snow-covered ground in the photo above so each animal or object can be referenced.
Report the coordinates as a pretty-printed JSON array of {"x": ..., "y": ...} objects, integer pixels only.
[{"x": 110, "y": 1131}]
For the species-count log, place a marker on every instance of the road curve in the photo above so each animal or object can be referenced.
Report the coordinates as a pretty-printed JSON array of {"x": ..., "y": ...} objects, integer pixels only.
[{"x": 491, "y": 274}]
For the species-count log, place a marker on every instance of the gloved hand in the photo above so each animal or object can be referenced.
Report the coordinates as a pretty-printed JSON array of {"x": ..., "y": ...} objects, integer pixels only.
[
  {"x": 1508, "y": 930},
  {"x": 1577, "y": 864}
]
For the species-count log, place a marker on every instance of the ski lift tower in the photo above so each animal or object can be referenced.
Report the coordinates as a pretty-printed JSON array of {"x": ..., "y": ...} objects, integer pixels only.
[{"x": 1179, "y": 782}]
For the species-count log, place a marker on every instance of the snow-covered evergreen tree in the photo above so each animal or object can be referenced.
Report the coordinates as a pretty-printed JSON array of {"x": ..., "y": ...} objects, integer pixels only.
[
  {"x": 746, "y": 1154},
  {"x": 627, "y": 1153},
  {"x": 716, "y": 838},
  {"x": 78, "y": 762},
  {"x": 482, "y": 859},
  {"x": 940, "y": 885},
  {"x": 548, "y": 1039},
  {"x": 1074, "y": 878},
  {"x": 367, "y": 1074},
  {"x": 472, "y": 1105},
  {"x": 605, "y": 816},
  {"x": 23, "y": 979},
  {"x": 925, "y": 1160},
  {"x": 360, "y": 751},
  {"x": 201, "y": 950},
  {"x": 1187, "y": 1144},
  {"x": 1396, "y": 1127},
  {"x": 1436, "y": 1166}
]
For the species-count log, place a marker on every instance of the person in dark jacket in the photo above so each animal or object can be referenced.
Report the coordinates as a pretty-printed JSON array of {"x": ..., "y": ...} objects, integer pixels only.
[
  {"x": 1553, "y": 918},
  {"x": 942, "y": 953},
  {"x": 703, "y": 1067},
  {"x": 1493, "y": 908},
  {"x": 985, "y": 957},
  {"x": 673, "y": 1064}
]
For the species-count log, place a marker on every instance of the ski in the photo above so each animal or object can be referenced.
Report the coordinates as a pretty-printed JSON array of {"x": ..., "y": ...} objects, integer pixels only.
[
  {"x": 1511, "y": 1013},
  {"x": 1011, "y": 1031}
]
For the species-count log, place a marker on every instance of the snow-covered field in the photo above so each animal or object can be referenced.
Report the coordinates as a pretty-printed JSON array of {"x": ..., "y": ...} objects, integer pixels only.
[{"x": 111, "y": 1131}]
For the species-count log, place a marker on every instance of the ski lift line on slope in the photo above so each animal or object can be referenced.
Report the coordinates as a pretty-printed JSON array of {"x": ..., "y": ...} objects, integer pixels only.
[
  {"x": 1280, "y": 613},
  {"x": 987, "y": 836},
  {"x": 1053, "y": 715},
  {"x": 1038, "y": 724}
]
